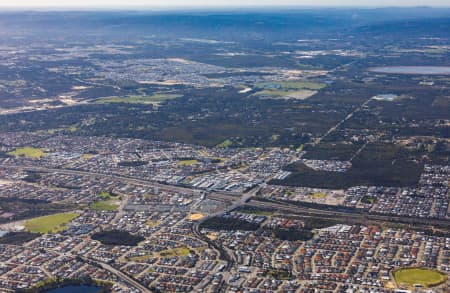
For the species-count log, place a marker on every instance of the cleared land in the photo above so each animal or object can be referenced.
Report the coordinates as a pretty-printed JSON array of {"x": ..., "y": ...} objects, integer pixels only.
[
  {"x": 288, "y": 89},
  {"x": 28, "y": 152},
  {"x": 50, "y": 224},
  {"x": 195, "y": 217},
  {"x": 293, "y": 85},
  {"x": 280, "y": 94},
  {"x": 152, "y": 223},
  {"x": 422, "y": 276},
  {"x": 187, "y": 162}
]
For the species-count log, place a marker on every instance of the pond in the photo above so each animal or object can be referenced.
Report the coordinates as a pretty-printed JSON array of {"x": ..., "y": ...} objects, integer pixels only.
[
  {"x": 420, "y": 70},
  {"x": 75, "y": 289}
]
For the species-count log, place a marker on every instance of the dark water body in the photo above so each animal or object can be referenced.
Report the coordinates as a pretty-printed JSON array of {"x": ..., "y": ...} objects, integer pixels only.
[
  {"x": 75, "y": 289},
  {"x": 419, "y": 70}
]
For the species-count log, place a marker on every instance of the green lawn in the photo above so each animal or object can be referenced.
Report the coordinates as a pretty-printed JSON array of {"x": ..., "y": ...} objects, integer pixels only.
[
  {"x": 28, "y": 152},
  {"x": 103, "y": 205},
  {"x": 225, "y": 144},
  {"x": 73, "y": 128},
  {"x": 368, "y": 199},
  {"x": 50, "y": 224},
  {"x": 181, "y": 251},
  {"x": 423, "y": 276},
  {"x": 155, "y": 98},
  {"x": 104, "y": 195},
  {"x": 318, "y": 195}
]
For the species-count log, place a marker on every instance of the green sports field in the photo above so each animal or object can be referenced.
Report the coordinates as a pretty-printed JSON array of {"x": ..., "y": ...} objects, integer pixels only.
[{"x": 422, "y": 276}]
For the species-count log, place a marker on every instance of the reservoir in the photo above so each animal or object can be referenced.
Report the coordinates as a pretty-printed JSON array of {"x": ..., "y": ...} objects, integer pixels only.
[
  {"x": 75, "y": 289},
  {"x": 419, "y": 70}
]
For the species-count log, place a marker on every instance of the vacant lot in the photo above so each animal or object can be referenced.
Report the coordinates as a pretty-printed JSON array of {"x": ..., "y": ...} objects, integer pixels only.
[
  {"x": 187, "y": 162},
  {"x": 195, "y": 217}
]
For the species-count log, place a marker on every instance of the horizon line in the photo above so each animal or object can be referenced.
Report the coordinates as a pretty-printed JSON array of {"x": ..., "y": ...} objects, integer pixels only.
[{"x": 206, "y": 8}]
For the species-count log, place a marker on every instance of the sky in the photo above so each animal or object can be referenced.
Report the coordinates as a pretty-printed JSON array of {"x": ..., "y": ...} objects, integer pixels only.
[{"x": 212, "y": 3}]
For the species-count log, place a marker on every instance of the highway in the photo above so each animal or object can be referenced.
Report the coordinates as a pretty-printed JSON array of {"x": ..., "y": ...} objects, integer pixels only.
[
  {"x": 235, "y": 201},
  {"x": 363, "y": 217},
  {"x": 246, "y": 198},
  {"x": 224, "y": 254},
  {"x": 118, "y": 274},
  {"x": 176, "y": 188}
]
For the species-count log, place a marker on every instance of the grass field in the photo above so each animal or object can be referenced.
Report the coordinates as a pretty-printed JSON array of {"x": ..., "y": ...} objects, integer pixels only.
[
  {"x": 155, "y": 98},
  {"x": 318, "y": 195},
  {"x": 225, "y": 144},
  {"x": 104, "y": 195},
  {"x": 368, "y": 199},
  {"x": 422, "y": 276},
  {"x": 50, "y": 224},
  {"x": 141, "y": 258},
  {"x": 181, "y": 251},
  {"x": 73, "y": 128},
  {"x": 87, "y": 156},
  {"x": 28, "y": 152},
  {"x": 104, "y": 205}
]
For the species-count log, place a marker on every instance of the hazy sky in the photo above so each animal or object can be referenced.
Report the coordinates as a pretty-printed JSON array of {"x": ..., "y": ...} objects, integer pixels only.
[{"x": 212, "y": 3}]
